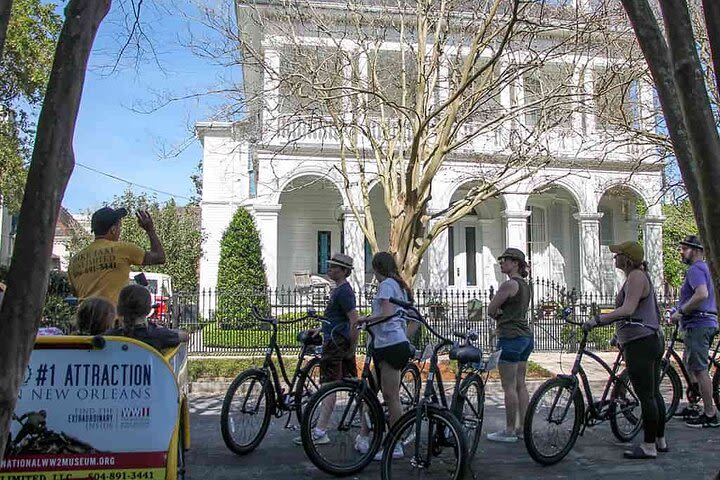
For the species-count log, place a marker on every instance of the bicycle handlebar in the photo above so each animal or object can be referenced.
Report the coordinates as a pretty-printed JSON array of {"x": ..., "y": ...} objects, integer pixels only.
[
  {"x": 274, "y": 321},
  {"x": 418, "y": 317}
]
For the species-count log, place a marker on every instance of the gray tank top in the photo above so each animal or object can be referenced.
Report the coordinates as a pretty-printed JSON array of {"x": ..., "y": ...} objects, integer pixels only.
[
  {"x": 513, "y": 322},
  {"x": 647, "y": 311}
]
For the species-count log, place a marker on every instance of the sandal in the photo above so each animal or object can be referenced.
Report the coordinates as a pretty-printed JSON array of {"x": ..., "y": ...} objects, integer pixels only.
[{"x": 637, "y": 453}]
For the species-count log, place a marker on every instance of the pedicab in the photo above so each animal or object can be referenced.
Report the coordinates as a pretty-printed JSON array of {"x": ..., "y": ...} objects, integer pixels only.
[{"x": 103, "y": 408}]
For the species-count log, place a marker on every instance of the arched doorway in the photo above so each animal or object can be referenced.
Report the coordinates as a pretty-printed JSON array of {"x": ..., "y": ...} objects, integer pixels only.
[
  {"x": 553, "y": 244},
  {"x": 309, "y": 227},
  {"x": 474, "y": 242},
  {"x": 621, "y": 209}
]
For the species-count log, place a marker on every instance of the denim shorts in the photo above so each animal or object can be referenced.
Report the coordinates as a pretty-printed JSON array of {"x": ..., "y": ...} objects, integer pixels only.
[
  {"x": 516, "y": 349},
  {"x": 697, "y": 345}
]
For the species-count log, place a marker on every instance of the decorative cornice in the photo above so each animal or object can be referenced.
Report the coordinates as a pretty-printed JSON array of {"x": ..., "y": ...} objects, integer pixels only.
[
  {"x": 516, "y": 214},
  {"x": 270, "y": 208},
  {"x": 588, "y": 217},
  {"x": 653, "y": 219}
]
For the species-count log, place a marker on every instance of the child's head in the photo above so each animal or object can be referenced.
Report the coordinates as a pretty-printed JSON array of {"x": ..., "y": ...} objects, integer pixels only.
[
  {"x": 94, "y": 316},
  {"x": 134, "y": 302}
]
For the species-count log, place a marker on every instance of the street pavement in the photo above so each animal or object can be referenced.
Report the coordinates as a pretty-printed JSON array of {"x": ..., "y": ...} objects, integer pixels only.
[{"x": 694, "y": 453}]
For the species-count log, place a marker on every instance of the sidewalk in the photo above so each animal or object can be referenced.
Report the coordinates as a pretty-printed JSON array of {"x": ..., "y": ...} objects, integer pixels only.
[{"x": 557, "y": 362}]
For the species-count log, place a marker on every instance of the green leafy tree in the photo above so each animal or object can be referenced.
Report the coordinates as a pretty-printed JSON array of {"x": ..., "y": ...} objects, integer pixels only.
[
  {"x": 178, "y": 228},
  {"x": 24, "y": 70},
  {"x": 680, "y": 222},
  {"x": 241, "y": 276}
]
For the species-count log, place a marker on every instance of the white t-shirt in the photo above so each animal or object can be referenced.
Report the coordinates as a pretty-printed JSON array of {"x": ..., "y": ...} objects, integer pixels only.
[{"x": 392, "y": 331}]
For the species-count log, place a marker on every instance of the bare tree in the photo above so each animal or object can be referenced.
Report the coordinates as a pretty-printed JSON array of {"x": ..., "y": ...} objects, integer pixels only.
[
  {"x": 686, "y": 95},
  {"x": 50, "y": 168}
]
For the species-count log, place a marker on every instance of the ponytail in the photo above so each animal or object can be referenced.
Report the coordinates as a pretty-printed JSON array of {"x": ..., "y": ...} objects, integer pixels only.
[
  {"x": 403, "y": 284},
  {"x": 384, "y": 264}
]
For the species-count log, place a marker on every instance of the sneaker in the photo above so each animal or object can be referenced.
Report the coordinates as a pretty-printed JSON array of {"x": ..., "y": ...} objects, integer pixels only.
[
  {"x": 397, "y": 453},
  {"x": 502, "y": 436},
  {"x": 362, "y": 444},
  {"x": 703, "y": 421},
  {"x": 319, "y": 437},
  {"x": 688, "y": 412}
]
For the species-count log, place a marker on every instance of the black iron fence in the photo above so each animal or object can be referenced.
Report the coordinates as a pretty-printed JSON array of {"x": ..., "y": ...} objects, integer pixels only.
[{"x": 220, "y": 322}]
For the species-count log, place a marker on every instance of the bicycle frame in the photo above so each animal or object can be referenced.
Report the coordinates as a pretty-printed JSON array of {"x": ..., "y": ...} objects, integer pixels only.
[
  {"x": 670, "y": 352},
  {"x": 593, "y": 409},
  {"x": 281, "y": 405}
]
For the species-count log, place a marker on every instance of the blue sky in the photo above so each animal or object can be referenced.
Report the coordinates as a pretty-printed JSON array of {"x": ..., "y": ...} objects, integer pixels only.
[{"x": 112, "y": 138}]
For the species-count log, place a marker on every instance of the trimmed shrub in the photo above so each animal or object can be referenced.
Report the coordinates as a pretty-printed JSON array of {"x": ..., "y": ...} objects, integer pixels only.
[{"x": 241, "y": 275}]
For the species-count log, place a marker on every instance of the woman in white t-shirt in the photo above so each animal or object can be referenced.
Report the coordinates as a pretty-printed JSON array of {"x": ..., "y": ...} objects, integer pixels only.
[{"x": 391, "y": 348}]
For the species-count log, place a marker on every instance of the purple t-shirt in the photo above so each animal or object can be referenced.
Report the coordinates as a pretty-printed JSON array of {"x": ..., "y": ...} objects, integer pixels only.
[{"x": 698, "y": 274}]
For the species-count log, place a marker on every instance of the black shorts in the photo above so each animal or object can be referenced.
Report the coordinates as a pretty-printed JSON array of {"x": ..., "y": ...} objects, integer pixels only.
[
  {"x": 396, "y": 356},
  {"x": 337, "y": 360}
]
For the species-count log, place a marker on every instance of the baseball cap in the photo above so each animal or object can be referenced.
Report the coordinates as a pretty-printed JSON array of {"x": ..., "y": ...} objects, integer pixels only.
[
  {"x": 105, "y": 218},
  {"x": 692, "y": 241},
  {"x": 632, "y": 250},
  {"x": 341, "y": 260},
  {"x": 513, "y": 254}
]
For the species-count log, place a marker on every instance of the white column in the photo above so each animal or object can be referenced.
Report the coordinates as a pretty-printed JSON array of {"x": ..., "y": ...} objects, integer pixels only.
[
  {"x": 437, "y": 255},
  {"x": 652, "y": 236},
  {"x": 590, "y": 268},
  {"x": 516, "y": 228},
  {"x": 266, "y": 218},
  {"x": 355, "y": 247},
  {"x": 271, "y": 86}
]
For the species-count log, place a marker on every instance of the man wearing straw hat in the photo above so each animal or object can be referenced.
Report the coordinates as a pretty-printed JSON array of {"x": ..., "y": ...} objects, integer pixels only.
[{"x": 339, "y": 338}]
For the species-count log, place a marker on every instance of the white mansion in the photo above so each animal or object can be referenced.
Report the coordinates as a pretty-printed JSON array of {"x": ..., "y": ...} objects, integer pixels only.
[{"x": 563, "y": 217}]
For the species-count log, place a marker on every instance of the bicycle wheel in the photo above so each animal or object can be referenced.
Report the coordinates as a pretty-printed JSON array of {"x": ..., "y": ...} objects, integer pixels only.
[
  {"x": 471, "y": 410},
  {"x": 716, "y": 387},
  {"x": 625, "y": 412},
  {"x": 553, "y": 420},
  {"x": 308, "y": 382},
  {"x": 181, "y": 450},
  {"x": 245, "y": 414},
  {"x": 670, "y": 388},
  {"x": 435, "y": 447},
  {"x": 409, "y": 386},
  {"x": 347, "y": 404}
]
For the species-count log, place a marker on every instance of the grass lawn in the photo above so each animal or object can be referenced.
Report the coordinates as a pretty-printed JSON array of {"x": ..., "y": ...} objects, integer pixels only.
[
  {"x": 228, "y": 368},
  {"x": 215, "y": 337}
]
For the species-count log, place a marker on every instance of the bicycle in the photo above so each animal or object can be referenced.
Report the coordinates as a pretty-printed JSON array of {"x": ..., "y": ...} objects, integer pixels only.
[
  {"x": 433, "y": 427},
  {"x": 256, "y": 394},
  {"x": 561, "y": 398},
  {"x": 670, "y": 375},
  {"x": 359, "y": 406}
]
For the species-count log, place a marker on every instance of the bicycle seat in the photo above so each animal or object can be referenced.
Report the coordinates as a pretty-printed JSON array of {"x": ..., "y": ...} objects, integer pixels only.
[
  {"x": 471, "y": 335},
  {"x": 307, "y": 337},
  {"x": 466, "y": 354}
]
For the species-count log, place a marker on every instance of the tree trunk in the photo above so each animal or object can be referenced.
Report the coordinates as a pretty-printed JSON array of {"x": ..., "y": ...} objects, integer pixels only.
[
  {"x": 5, "y": 8},
  {"x": 683, "y": 96},
  {"x": 50, "y": 169}
]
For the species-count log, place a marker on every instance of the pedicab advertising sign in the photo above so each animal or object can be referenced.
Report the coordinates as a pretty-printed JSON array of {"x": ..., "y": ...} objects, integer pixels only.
[{"x": 106, "y": 413}]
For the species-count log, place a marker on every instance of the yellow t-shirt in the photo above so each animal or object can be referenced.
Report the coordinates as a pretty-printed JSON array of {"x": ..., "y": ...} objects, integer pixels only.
[{"x": 102, "y": 268}]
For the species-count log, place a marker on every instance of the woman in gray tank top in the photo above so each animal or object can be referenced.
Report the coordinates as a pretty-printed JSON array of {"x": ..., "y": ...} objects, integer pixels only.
[
  {"x": 637, "y": 324},
  {"x": 509, "y": 308}
]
